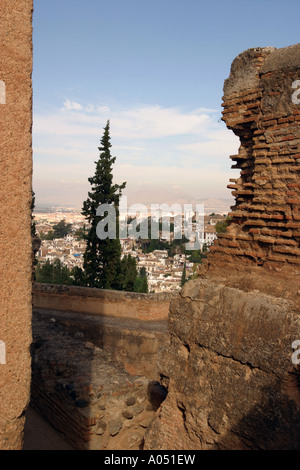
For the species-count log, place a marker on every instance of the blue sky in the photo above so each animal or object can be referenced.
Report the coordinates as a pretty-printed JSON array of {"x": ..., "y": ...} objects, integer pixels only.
[{"x": 156, "y": 70}]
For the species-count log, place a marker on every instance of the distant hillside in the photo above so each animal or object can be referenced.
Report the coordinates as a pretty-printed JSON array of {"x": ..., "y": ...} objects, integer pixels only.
[
  {"x": 169, "y": 196},
  {"x": 152, "y": 196}
]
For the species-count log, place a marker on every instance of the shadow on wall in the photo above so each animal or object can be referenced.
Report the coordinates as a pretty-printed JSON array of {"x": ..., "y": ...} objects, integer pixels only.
[
  {"x": 272, "y": 424},
  {"x": 194, "y": 423},
  {"x": 234, "y": 381},
  {"x": 85, "y": 386},
  {"x": 102, "y": 302},
  {"x": 137, "y": 344},
  {"x": 82, "y": 391}
]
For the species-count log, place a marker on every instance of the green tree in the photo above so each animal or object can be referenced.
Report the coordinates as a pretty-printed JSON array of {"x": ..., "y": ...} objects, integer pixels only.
[
  {"x": 102, "y": 258},
  {"x": 221, "y": 226},
  {"x": 33, "y": 224},
  {"x": 77, "y": 275},
  {"x": 35, "y": 240},
  {"x": 141, "y": 282},
  {"x": 62, "y": 229},
  {"x": 80, "y": 233},
  {"x": 44, "y": 273},
  {"x": 183, "y": 277},
  {"x": 53, "y": 273},
  {"x": 195, "y": 256},
  {"x": 47, "y": 236},
  {"x": 61, "y": 274},
  {"x": 128, "y": 274}
]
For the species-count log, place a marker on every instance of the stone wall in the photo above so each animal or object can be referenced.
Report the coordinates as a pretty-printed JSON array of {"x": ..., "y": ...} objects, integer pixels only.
[
  {"x": 15, "y": 218},
  {"x": 147, "y": 307},
  {"x": 136, "y": 344},
  {"x": 230, "y": 372}
]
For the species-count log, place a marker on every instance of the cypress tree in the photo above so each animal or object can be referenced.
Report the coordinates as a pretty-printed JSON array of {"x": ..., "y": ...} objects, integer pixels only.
[
  {"x": 128, "y": 273},
  {"x": 35, "y": 240},
  {"x": 183, "y": 277},
  {"x": 44, "y": 273},
  {"x": 102, "y": 258},
  {"x": 141, "y": 282}
]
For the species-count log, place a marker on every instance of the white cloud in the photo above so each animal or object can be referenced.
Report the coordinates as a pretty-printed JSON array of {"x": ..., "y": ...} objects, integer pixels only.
[
  {"x": 147, "y": 122},
  {"x": 153, "y": 144},
  {"x": 72, "y": 105},
  {"x": 155, "y": 122},
  {"x": 218, "y": 144}
]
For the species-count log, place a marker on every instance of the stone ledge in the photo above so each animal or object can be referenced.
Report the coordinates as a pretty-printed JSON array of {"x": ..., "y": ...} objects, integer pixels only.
[{"x": 86, "y": 300}]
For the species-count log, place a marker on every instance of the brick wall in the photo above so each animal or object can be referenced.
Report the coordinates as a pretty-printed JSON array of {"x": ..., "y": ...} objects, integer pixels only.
[{"x": 261, "y": 106}]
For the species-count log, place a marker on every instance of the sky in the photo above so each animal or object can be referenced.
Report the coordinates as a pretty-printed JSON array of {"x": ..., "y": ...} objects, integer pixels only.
[{"x": 155, "y": 69}]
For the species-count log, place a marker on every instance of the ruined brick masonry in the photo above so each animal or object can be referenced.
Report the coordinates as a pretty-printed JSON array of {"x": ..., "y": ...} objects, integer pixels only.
[
  {"x": 15, "y": 244},
  {"x": 261, "y": 106},
  {"x": 231, "y": 380}
]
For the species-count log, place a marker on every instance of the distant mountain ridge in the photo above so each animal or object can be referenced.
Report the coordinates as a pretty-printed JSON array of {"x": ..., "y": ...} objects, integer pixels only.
[{"x": 153, "y": 196}]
